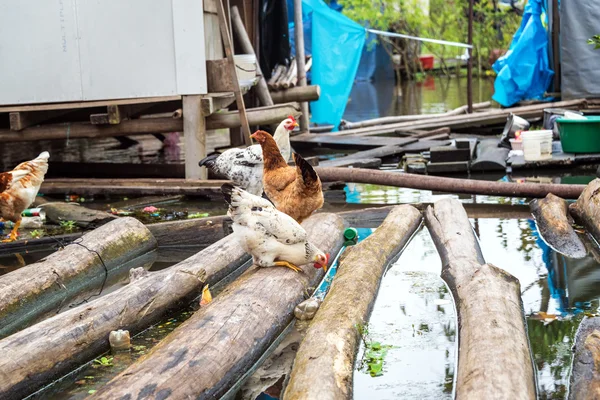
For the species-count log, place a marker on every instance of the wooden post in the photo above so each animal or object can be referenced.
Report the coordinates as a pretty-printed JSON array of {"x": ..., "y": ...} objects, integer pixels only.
[
  {"x": 470, "y": 61},
  {"x": 556, "y": 45},
  {"x": 239, "y": 99},
  {"x": 194, "y": 134},
  {"x": 300, "y": 60}
]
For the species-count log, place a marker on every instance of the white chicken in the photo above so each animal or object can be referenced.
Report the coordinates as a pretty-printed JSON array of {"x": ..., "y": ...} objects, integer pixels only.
[
  {"x": 244, "y": 167},
  {"x": 270, "y": 236}
]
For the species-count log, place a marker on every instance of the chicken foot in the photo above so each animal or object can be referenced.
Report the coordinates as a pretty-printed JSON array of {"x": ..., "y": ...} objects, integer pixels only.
[
  {"x": 13, "y": 233},
  {"x": 287, "y": 264}
]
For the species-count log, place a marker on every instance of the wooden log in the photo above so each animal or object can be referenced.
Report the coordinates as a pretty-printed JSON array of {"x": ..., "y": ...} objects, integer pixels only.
[
  {"x": 324, "y": 365},
  {"x": 56, "y": 346},
  {"x": 378, "y": 152},
  {"x": 586, "y": 210},
  {"x": 449, "y": 185},
  {"x": 403, "y": 118},
  {"x": 297, "y": 94},
  {"x": 230, "y": 119},
  {"x": 20, "y": 120},
  {"x": 301, "y": 68},
  {"x": 496, "y": 116},
  {"x": 86, "y": 218},
  {"x": 488, "y": 301},
  {"x": 197, "y": 232},
  {"x": 434, "y": 132},
  {"x": 194, "y": 137},
  {"x": 277, "y": 72},
  {"x": 332, "y": 141},
  {"x": 41, "y": 288},
  {"x": 262, "y": 89},
  {"x": 555, "y": 225},
  {"x": 240, "y": 323},
  {"x": 585, "y": 375}
]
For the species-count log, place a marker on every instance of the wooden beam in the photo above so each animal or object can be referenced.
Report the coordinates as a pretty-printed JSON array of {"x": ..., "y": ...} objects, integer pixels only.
[
  {"x": 232, "y": 69},
  {"x": 194, "y": 137},
  {"x": 87, "y": 104},
  {"x": 20, "y": 120},
  {"x": 297, "y": 93}
]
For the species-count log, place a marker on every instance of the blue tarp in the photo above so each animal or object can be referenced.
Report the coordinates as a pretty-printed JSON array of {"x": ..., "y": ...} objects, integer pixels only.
[
  {"x": 524, "y": 72},
  {"x": 336, "y": 44}
]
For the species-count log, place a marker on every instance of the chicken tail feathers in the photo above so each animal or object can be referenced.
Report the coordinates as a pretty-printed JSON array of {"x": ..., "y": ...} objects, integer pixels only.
[
  {"x": 227, "y": 190},
  {"x": 305, "y": 169},
  {"x": 209, "y": 161}
]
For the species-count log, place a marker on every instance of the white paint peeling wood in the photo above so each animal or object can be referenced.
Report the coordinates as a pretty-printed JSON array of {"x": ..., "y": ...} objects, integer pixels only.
[{"x": 77, "y": 50}]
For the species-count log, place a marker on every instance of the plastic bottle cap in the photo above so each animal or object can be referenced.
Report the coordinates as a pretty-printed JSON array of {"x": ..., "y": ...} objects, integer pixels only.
[{"x": 350, "y": 234}]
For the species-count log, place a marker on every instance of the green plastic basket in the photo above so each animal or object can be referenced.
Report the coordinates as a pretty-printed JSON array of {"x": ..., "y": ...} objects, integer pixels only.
[{"x": 580, "y": 136}]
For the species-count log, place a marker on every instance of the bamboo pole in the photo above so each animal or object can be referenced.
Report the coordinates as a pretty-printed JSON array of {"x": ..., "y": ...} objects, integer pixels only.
[
  {"x": 323, "y": 366},
  {"x": 297, "y": 94},
  {"x": 220, "y": 342},
  {"x": 300, "y": 60},
  {"x": 238, "y": 27},
  {"x": 52, "y": 348},
  {"x": 450, "y": 185},
  {"x": 470, "y": 61},
  {"x": 494, "y": 357}
]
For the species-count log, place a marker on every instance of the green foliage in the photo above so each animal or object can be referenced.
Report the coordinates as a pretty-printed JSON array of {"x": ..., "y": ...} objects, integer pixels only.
[
  {"x": 447, "y": 20},
  {"x": 595, "y": 40},
  {"x": 374, "y": 355},
  {"x": 37, "y": 233},
  {"x": 68, "y": 225},
  {"x": 104, "y": 361}
]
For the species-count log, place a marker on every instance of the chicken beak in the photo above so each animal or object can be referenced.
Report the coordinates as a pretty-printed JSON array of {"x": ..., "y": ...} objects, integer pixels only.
[{"x": 295, "y": 124}]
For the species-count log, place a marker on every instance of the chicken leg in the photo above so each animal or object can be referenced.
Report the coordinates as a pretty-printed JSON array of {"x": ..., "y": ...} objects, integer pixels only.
[
  {"x": 287, "y": 264},
  {"x": 13, "y": 233}
]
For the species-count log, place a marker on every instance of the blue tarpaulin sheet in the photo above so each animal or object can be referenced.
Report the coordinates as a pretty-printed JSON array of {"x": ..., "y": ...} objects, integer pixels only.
[
  {"x": 336, "y": 47},
  {"x": 524, "y": 72}
]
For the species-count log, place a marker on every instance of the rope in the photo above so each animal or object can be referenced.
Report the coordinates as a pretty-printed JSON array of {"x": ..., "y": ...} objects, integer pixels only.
[
  {"x": 61, "y": 245},
  {"x": 436, "y": 41}
]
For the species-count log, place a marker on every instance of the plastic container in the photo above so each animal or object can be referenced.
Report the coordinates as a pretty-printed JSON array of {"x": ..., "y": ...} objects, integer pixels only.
[
  {"x": 245, "y": 66},
  {"x": 516, "y": 144},
  {"x": 537, "y": 145},
  {"x": 427, "y": 61},
  {"x": 580, "y": 136}
]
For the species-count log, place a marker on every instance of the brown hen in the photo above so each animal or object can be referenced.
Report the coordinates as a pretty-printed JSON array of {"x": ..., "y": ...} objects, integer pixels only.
[
  {"x": 295, "y": 191},
  {"x": 18, "y": 189}
]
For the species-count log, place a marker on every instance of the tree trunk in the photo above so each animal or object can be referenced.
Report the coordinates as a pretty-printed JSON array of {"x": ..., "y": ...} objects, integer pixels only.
[
  {"x": 35, "y": 290},
  {"x": 323, "y": 367},
  {"x": 450, "y": 185},
  {"x": 56, "y": 346},
  {"x": 84, "y": 217},
  {"x": 209, "y": 352},
  {"x": 554, "y": 223},
  {"x": 585, "y": 376},
  {"x": 494, "y": 358},
  {"x": 586, "y": 210}
]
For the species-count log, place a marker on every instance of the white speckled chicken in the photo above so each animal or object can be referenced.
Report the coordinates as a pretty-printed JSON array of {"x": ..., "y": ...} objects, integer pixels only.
[
  {"x": 244, "y": 167},
  {"x": 18, "y": 189},
  {"x": 270, "y": 236}
]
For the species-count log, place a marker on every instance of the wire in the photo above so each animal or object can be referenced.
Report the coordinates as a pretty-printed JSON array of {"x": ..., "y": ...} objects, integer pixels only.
[{"x": 437, "y": 41}]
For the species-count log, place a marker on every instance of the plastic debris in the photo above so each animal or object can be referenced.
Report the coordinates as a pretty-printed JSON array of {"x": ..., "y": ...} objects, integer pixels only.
[
  {"x": 119, "y": 340},
  {"x": 206, "y": 296},
  {"x": 150, "y": 209}
]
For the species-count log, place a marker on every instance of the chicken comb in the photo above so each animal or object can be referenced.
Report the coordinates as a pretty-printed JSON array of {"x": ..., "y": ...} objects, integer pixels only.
[{"x": 292, "y": 118}]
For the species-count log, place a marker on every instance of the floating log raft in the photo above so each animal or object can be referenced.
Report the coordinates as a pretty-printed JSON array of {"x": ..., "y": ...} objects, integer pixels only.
[
  {"x": 586, "y": 210},
  {"x": 450, "y": 185},
  {"x": 37, "y": 289},
  {"x": 323, "y": 367},
  {"x": 585, "y": 375},
  {"x": 344, "y": 125},
  {"x": 496, "y": 116},
  {"x": 219, "y": 343},
  {"x": 56, "y": 346},
  {"x": 489, "y": 308},
  {"x": 553, "y": 220}
]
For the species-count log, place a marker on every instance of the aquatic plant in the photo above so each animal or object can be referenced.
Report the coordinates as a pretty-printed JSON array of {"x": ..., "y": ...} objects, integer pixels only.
[
  {"x": 595, "y": 40},
  {"x": 374, "y": 355},
  {"x": 104, "y": 361},
  {"x": 68, "y": 225},
  {"x": 37, "y": 233}
]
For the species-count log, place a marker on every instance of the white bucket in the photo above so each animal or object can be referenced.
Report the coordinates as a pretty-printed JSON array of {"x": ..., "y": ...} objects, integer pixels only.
[
  {"x": 245, "y": 66},
  {"x": 537, "y": 145}
]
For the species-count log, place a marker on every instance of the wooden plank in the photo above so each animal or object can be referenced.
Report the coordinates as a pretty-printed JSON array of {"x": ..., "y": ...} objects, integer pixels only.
[
  {"x": 218, "y": 76},
  {"x": 225, "y": 36},
  {"x": 345, "y": 141},
  {"x": 87, "y": 104},
  {"x": 20, "y": 120},
  {"x": 194, "y": 132}
]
